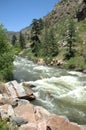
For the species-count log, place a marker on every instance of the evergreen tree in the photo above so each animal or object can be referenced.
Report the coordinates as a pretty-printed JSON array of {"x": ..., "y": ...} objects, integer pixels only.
[
  {"x": 50, "y": 47},
  {"x": 6, "y": 56},
  {"x": 22, "y": 41},
  {"x": 14, "y": 39},
  {"x": 37, "y": 26},
  {"x": 45, "y": 45},
  {"x": 70, "y": 38},
  {"x": 35, "y": 31},
  {"x": 53, "y": 47}
]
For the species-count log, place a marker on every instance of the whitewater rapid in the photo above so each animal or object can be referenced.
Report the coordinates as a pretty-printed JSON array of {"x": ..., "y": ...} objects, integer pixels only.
[{"x": 60, "y": 91}]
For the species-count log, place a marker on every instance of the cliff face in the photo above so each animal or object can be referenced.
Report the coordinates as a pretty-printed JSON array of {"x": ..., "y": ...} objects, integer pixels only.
[{"x": 66, "y": 8}]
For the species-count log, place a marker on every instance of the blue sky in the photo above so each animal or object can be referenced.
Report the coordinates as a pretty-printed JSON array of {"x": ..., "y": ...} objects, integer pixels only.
[{"x": 17, "y": 14}]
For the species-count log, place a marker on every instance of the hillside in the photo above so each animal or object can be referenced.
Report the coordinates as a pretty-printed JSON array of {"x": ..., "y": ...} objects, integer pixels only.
[
  {"x": 63, "y": 9},
  {"x": 52, "y": 31}
]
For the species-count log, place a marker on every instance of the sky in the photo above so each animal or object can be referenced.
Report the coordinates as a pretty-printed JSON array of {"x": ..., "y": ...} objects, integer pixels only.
[{"x": 18, "y": 14}]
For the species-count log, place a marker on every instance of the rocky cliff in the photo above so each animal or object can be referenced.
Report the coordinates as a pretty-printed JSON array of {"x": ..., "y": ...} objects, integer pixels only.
[{"x": 67, "y": 8}]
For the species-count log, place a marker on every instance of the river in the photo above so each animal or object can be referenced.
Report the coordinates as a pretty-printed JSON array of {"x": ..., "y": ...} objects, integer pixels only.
[{"x": 60, "y": 91}]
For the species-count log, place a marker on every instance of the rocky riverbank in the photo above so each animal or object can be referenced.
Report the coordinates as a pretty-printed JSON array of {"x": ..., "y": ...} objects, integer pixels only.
[{"x": 16, "y": 108}]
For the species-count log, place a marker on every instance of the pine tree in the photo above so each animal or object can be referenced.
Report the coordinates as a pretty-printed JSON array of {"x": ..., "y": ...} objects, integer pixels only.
[
  {"x": 35, "y": 31},
  {"x": 22, "y": 41},
  {"x": 14, "y": 39},
  {"x": 70, "y": 38},
  {"x": 53, "y": 47}
]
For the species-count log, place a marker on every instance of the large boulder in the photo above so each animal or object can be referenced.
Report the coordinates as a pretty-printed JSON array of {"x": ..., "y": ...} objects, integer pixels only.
[
  {"x": 29, "y": 96},
  {"x": 16, "y": 90},
  {"x": 41, "y": 114},
  {"x": 6, "y": 111},
  {"x": 27, "y": 85},
  {"x": 29, "y": 126},
  {"x": 26, "y": 111},
  {"x": 40, "y": 119},
  {"x": 18, "y": 120},
  {"x": 59, "y": 123}
]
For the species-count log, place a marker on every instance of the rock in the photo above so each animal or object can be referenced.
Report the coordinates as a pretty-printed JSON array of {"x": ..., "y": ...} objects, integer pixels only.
[
  {"x": 57, "y": 62},
  {"x": 13, "y": 102},
  {"x": 84, "y": 127},
  {"x": 41, "y": 113},
  {"x": 41, "y": 62},
  {"x": 27, "y": 85},
  {"x": 23, "y": 102},
  {"x": 29, "y": 126},
  {"x": 29, "y": 96},
  {"x": 26, "y": 111},
  {"x": 2, "y": 100},
  {"x": 84, "y": 71},
  {"x": 42, "y": 125},
  {"x": 59, "y": 123},
  {"x": 2, "y": 88},
  {"x": 14, "y": 90},
  {"x": 6, "y": 111},
  {"x": 18, "y": 121}
]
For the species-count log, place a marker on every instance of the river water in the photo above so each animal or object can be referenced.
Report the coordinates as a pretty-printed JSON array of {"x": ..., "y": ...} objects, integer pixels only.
[{"x": 60, "y": 91}]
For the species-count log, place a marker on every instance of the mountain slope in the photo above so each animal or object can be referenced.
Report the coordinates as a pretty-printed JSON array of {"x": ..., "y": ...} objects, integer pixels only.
[{"x": 62, "y": 10}]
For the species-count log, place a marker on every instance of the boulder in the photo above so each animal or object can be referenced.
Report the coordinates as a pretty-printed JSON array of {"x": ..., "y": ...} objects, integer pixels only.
[
  {"x": 26, "y": 111},
  {"x": 2, "y": 88},
  {"x": 18, "y": 121},
  {"x": 2, "y": 100},
  {"x": 41, "y": 113},
  {"x": 41, "y": 61},
  {"x": 23, "y": 102},
  {"x": 42, "y": 125},
  {"x": 27, "y": 85},
  {"x": 84, "y": 71},
  {"x": 29, "y": 126},
  {"x": 29, "y": 96},
  {"x": 59, "y": 123},
  {"x": 14, "y": 89},
  {"x": 6, "y": 111}
]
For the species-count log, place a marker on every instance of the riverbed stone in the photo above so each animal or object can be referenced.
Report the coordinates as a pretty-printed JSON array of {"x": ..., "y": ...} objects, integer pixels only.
[
  {"x": 18, "y": 121},
  {"x": 41, "y": 113},
  {"x": 29, "y": 126},
  {"x": 28, "y": 85},
  {"x": 22, "y": 102},
  {"x": 6, "y": 111},
  {"x": 2, "y": 88},
  {"x": 59, "y": 123},
  {"x": 26, "y": 111},
  {"x": 29, "y": 96},
  {"x": 14, "y": 89}
]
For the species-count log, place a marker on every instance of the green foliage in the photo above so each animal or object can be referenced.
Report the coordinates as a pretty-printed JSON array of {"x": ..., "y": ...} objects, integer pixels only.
[
  {"x": 70, "y": 38},
  {"x": 3, "y": 125},
  {"x": 6, "y": 56},
  {"x": 50, "y": 47},
  {"x": 14, "y": 40},
  {"x": 37, "y": 26},
  {"x": 53, "y": 47},
  {"x": 22, "y": 41},
  {"x": 77, "y": 63}
]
